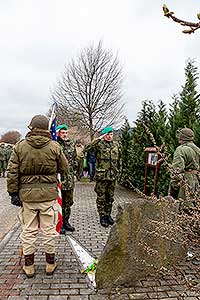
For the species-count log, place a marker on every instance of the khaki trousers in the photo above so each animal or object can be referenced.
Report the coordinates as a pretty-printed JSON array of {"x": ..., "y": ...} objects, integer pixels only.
[{"x": 38, "y": 216}]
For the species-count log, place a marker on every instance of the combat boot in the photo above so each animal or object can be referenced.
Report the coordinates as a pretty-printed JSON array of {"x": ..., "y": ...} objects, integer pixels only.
[
  {"x": 62, "y": 230},
  {"x": 50, "y": 263},
  {"x": 104, "y": 221},
  {"x": 29, "y": 265},
  {"x": 110, "y": 220},
  {"x": 67, "y": 226}
]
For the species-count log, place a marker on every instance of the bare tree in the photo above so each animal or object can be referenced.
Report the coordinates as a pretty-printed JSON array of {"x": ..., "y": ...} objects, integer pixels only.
[
  {"x": 192, "y": 27},
  {"x": 90, "y": 90},
  {"x": 10, "y": 137}
]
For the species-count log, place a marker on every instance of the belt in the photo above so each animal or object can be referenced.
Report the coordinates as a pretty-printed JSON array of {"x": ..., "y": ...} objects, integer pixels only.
[
  {"x": 190, "y": 171},
  {"x": 38, "y": 185}
]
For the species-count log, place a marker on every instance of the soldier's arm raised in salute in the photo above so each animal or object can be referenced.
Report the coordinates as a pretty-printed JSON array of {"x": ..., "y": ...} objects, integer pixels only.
[{"x": 94, "y": 144}]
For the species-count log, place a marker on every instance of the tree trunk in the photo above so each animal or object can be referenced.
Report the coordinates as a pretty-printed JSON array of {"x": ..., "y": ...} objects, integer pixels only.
[{"x": 91, "y": 129}]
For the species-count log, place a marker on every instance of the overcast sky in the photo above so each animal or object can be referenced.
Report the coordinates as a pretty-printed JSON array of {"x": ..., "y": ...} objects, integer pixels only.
[{"x": 39, "y": 37}]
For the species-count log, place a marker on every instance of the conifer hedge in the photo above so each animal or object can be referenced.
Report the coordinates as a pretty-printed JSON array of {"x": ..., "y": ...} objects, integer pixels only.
[{"x": 183, "y": 112}]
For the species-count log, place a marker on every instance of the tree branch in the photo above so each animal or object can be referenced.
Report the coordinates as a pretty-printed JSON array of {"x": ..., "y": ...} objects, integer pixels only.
[{"x": 192, "y": 27}]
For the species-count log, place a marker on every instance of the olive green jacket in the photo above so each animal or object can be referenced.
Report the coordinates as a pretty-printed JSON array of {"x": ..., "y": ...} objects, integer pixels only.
[
  {"x": 33, "y": 167},
  {"x": 108, "y": 159},
  {"x": 8, "y": 153},
  {"x": 185, "y": 164},
  {"x": 2, "y": 153}
]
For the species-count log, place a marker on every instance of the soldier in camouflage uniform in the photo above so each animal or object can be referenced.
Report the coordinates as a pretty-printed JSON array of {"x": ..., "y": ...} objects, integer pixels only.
[
  {"x": 80, "y": 158},
  {"x": 67, "y": 181},
  {"x": 8, "y": 153},
  {"x": 186, "y": 166},
  {"x": 108, "y": 164},
  {"x": 2, "y": 159}
]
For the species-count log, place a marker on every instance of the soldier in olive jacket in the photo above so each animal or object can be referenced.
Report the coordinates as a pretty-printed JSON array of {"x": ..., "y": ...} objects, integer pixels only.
[
  {"x": 108, "y": 165},
  {"x": 9, "y": 149},
  {"x": 185, "y": 168},
  {"x": 67, "y": 180},
  {"x": 2, "y": 159},
  {"x": 32, "y": 184}
]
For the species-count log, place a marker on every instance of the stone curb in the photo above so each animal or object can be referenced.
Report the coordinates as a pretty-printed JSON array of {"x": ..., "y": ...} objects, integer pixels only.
[{"x": 8, "y": 236}]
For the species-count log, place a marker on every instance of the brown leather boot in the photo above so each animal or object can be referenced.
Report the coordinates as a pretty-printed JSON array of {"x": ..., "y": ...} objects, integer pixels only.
[
  {"x": 29, "y": 265},
  {"x": 50, "y": 263}
]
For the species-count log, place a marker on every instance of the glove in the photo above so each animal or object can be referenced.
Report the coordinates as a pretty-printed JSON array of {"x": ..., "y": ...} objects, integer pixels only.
[
  {"x": 173, "y": 192},
  {"x": 169, "y": 198},
  {"x": 15, "y": 200}
]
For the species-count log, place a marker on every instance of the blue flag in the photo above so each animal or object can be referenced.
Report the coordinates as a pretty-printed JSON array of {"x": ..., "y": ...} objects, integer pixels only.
[{"x": 52, "y": 123}]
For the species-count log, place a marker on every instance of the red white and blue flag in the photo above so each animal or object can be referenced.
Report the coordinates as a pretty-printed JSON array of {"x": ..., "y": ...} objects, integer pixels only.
[
  {"x": 52, "y": 123},
  {"x": 52, "y": 128}
]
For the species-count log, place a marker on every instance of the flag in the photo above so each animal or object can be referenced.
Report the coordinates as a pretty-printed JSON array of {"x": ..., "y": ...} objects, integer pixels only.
[
  {"x": 60, "y": 221},
  {"x": 52, "y": 123},
  {"x": 52, "y": 128}
]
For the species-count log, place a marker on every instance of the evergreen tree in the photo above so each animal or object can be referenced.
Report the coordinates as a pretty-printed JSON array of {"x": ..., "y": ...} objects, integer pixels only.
[
  {"x": 160, "y": 130},
  {"x": 189, "y": 97},
  {"x": 159, "y": 125},
  {"x": 139, "y": 139},
  {"x": 184, "y": 112},
  {"x": 196, "y": 128},
  {"x": 126, "y": 142},
  {"x": 175, "y": 123}
]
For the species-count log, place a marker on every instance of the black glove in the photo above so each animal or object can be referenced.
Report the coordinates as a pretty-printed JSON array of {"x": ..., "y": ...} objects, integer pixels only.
[
  {"x": 15, "y": 200},
  {"x": 173, "y": 192}
]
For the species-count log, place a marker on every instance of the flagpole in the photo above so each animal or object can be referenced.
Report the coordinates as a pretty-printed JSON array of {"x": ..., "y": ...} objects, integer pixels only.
[
  {"x": 53, "y": 114},
  {"x": 52, "y": 128}
]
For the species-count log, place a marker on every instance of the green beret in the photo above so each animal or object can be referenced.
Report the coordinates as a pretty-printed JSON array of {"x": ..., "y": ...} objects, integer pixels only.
[
  {"x": 107, "y": 130},
  {"x": 63, "y": 126}
]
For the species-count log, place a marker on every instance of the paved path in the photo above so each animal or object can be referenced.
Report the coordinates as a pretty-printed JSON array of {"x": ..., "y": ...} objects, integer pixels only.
[
  {"x": 8, "y": 212},
  {"x": 68, "y": 283}
]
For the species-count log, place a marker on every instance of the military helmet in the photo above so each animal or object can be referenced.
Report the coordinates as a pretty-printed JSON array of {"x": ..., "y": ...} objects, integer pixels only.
[
  {"x": 186, "y": 134},
  {"x": 40, "y": 122}
]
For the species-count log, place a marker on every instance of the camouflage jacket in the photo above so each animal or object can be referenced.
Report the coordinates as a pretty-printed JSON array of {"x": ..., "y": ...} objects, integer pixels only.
[
  {"x": 68, "y": 147},
  {"x": 2, "y": 153},
  {"x": 185, "y": 165},
  {"x": 8, "y": 153},
  {"x": 108, "y": 159}
]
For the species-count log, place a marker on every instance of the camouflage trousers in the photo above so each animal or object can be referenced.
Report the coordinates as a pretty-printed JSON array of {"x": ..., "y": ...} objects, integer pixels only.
[
  {"x": 79, "y": 168},
  {"x": 67, "y": 202},
  {"x": 3, "y": 165},
  {"x": 105, "y": 193}
]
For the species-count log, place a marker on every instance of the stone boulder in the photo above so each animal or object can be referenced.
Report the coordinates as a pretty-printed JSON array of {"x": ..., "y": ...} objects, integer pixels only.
[{"x": 145, "y": 240}]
